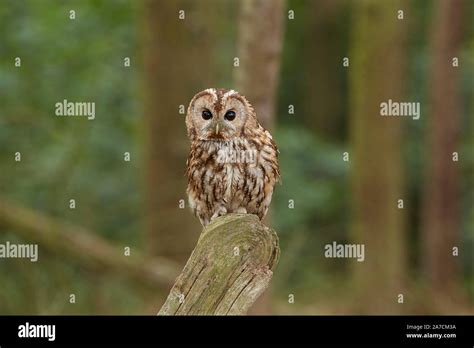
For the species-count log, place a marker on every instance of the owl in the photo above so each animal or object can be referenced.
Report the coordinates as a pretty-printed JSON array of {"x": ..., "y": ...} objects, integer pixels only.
[{"x": 232, "y": 166}]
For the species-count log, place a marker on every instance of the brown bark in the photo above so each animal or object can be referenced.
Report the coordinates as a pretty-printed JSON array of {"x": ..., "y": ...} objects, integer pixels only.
[
  {"x": 440, "y": 225},
  {"x": 377, "y": 69}
]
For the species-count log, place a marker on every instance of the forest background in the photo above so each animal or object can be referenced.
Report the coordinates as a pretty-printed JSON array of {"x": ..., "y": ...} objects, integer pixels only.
[{"x": 316, "y": 72}]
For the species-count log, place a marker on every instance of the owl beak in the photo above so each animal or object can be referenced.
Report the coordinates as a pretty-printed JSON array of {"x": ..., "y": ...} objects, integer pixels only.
[{"x": 217, "y": 128}]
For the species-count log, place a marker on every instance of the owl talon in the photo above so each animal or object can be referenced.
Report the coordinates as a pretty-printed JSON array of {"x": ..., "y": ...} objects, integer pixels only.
[
  {"x": 241, "y": 210},
  {"x": 220, "y": 211}
]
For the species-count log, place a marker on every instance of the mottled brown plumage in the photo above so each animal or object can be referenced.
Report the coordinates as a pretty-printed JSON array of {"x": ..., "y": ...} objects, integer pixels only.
[{"x": 233, "y": 163}]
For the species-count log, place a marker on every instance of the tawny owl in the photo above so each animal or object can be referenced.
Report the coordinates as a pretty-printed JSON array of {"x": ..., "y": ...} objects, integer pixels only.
[{"x": 233, "y": 163}]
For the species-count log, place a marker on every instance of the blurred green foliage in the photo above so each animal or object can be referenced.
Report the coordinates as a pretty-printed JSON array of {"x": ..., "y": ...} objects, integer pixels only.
[{"x": 80, "y": 60}]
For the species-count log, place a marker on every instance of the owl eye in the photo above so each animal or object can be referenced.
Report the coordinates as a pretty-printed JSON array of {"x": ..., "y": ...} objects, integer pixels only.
[
  {"x": 229, "y": 115},
  {"x": 206, "y": 114}
]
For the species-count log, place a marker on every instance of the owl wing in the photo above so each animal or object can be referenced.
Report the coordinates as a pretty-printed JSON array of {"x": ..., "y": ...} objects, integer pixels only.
[
  {"x": 271, "y": 172},
  {"x": 195, "y": 173},
  {"x": 275, "y": 164}
]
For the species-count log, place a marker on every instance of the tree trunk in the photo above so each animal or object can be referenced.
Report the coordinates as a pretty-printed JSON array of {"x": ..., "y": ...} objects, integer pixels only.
[
  {"x": 376, "y": 73},
  {"x": 177, "y": 64},
  {"x": 260, "y": 39},
  {"x": 323, "y": 105},
  {"x": 440, "y": 227}
]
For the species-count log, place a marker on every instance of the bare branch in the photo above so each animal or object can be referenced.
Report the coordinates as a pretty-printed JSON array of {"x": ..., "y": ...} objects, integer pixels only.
[{"x": 80, "y": 245}]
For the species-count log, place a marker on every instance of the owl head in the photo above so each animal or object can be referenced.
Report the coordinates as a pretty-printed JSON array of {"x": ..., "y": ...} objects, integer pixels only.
[{"x": 219, "y": 115}]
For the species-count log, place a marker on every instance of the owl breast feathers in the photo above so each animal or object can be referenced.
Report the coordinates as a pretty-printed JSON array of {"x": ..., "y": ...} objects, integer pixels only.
[{"x": 233, "y": 163}]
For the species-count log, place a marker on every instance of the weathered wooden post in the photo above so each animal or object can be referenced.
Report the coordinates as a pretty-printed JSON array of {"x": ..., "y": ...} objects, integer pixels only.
[{"x": 227, "y": 271}]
